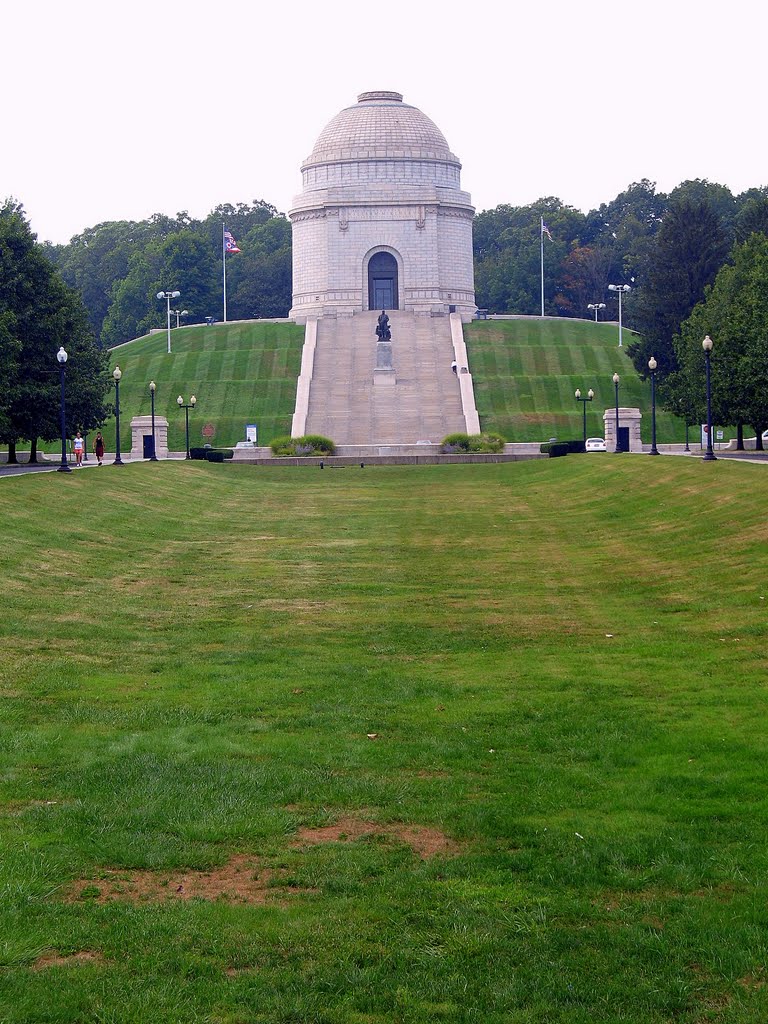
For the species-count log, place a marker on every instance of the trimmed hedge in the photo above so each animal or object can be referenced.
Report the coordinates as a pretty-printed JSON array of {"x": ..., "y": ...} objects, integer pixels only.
[
  {"x": 557, "y": 448},
  {"x": 198, "y": 453},
  {"x": 303, "y": 447}
]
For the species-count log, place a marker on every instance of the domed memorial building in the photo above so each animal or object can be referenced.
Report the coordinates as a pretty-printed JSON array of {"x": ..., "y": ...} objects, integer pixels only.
[
  {"x": 382, "y": 280},
  {"x": 381, "y": 222}
]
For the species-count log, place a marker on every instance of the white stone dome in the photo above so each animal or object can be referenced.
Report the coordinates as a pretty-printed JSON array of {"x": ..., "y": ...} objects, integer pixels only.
[{"x": 380, "y": 126}]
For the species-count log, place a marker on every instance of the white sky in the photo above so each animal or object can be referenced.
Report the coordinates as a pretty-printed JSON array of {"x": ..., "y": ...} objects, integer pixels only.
[{"x": 117, "y": 112}]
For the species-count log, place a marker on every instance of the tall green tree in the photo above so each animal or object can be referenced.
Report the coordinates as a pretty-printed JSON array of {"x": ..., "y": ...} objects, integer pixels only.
[
  {"x": 690, "y": 247},
  {"x": 735, "y": 315},
  {"x": 39, "y": 313}
]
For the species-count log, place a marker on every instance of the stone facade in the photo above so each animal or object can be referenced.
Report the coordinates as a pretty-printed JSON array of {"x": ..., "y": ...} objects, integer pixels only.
[
  {"x": 382, "y": 180},
  {"x": 141, "y": 428}
]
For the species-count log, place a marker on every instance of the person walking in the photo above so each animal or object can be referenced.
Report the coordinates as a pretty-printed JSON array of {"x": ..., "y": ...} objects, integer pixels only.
[
  {"x": 98, "y": 447},
  {"x": 453, "y": 366},
  {"x": 79, "y": 445}
]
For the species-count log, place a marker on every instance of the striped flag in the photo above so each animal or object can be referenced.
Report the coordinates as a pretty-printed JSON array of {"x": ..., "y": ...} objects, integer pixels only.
[
  {"x": 545, "y": 230},
  {"x": 230, "y": 245}
]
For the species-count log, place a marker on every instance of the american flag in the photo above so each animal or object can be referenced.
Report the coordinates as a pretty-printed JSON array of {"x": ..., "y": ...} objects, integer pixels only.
[
  {"x": 230, "y": 245},
  {"x": 545, "y": 230}
]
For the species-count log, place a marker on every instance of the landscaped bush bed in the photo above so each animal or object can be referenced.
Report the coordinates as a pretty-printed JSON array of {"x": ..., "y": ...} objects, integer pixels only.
[
  {"x": 460, "y": 444},
  {"x": 303, "y": 447}
]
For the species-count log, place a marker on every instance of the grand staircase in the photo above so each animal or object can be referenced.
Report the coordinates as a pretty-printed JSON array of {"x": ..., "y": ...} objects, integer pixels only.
[{"x": 344, "y": 403}]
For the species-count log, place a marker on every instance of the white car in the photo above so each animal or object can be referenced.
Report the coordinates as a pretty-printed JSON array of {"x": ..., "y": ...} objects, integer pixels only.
[{"x": 595, "y": 444}]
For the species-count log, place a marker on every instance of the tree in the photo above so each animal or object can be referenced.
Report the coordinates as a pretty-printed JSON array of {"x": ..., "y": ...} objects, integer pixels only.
[
  {"x": 735, "y": 315},
  {"x": 39, "y": 313},
  {"x": 690, "y": 247}
]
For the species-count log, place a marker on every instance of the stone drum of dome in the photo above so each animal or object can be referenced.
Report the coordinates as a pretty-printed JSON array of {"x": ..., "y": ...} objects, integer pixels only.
[{"x": 382, "y": 182}]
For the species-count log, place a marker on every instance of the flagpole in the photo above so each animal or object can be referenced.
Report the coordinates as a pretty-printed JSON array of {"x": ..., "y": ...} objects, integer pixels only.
[
  {"x": 541, "y": 241},
  {"x": 224, "y": 268}
]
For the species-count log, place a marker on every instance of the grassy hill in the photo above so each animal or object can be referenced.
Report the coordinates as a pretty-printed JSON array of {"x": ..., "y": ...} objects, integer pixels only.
[
  {"x": 526, "y": 372},
  {"x": 239, "y": 372},
  {"x": 393, "y": 746}
]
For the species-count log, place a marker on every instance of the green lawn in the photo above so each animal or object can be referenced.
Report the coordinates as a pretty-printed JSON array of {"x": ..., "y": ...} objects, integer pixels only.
[
  {"x": 462, "y": 743},
  {"x": 239, "y": 372},
  {"x": 525, "y": 374}
]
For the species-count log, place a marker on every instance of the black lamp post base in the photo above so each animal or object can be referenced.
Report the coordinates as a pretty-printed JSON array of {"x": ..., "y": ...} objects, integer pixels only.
[
  {"x": 710, "y": 457},
  {"x": 64, "y": 468}
]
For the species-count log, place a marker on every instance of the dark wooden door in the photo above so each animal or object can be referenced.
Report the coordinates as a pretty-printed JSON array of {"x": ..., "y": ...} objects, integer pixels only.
[{"x": 382, "y": 281}]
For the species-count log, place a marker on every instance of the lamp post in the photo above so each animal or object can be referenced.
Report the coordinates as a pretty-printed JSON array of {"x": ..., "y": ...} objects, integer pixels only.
[
  {"x": 152, "y": 386},
  {"x": 709, "y": 455},
  {"x": 595, "y": 306},
  {"x": 117, "y": 373},
  {"x": 179, "y": 313},
  {"x": 168, "y": 296},
  {"x": 620, "y": 289},
  {"x": 590, "y": 396},
  {"x": 616, "y": 379},
  {"x": 687, "y": 448},
  {"x": 61, "y": 355},
  {"x": 652, "y": 364},
  {"x": 186, "y": 407}
]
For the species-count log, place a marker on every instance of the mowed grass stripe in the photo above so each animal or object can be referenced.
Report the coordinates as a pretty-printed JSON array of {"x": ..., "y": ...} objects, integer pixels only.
[
  {"x": 240, "y": 373},
  {"x": 551, "y": 359}
]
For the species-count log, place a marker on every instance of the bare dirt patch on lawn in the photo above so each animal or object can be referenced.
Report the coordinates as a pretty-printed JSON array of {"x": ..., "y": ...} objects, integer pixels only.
[
  {"x": 54, "y": 959},
  {"x": 425, "y": 842},
  {"x": 241, "y": 880}
]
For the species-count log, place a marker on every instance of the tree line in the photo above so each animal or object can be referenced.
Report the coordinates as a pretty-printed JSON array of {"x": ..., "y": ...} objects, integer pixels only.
[{"x": 120, "y": 266}]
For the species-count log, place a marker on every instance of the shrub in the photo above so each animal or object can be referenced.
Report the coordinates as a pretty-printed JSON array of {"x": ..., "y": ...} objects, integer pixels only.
[
  {"x": 575, "y": 447},
  {"x": 459, "y": 443},
  {"x": 486, "y": 442},
  {"x": 214, "y": 456},
  {"x": 555, "y": 449},
  {"x": 303, "y": 447},
  {"x": 453, "y": 443},
  {"x": 198, "y": 453}
]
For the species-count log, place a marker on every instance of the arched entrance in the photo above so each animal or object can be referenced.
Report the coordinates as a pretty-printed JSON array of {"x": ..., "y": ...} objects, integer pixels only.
[{"x": 382, "y": 281}]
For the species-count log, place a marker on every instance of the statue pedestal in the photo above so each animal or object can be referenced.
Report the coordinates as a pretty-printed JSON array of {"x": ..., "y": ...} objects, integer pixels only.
[
  {"x": 384, "y": 375},
  {"x": 385, "y": 371}
]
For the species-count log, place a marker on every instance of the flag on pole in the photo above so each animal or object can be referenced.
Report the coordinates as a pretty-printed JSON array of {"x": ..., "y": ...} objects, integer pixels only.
[
  {"x": 230, "y": 245},
  {"x": 545, "y": 230}
]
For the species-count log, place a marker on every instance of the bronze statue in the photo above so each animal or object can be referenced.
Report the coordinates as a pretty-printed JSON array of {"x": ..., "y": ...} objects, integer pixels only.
[{"x": 383, "y": 332}]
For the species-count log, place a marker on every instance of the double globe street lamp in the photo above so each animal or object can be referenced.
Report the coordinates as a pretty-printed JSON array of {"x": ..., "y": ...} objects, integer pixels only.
[
  {"x": 186, "y": 407},
  {"x": 620, "y": 290},
  {"x": 589, "y": 397},
  {"x": 168, "y": 296}
]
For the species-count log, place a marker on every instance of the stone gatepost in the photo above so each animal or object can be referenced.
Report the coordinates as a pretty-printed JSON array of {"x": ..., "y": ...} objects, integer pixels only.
[
  {"x": 141, "y": 428},
  {"x": 629, "y": 429}
]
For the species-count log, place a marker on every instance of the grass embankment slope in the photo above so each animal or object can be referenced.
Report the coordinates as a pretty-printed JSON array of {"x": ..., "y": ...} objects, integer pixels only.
[
  {"x": 238, "y": 372},
  {"x": 525, "y": 374},
  {"x": 396, "y": 745}
]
